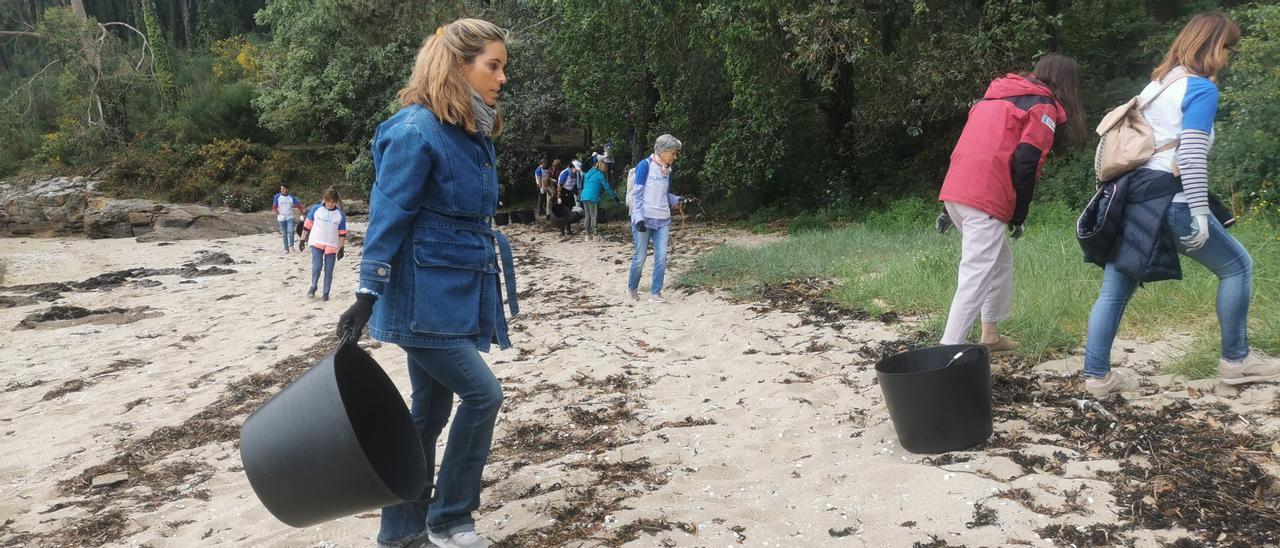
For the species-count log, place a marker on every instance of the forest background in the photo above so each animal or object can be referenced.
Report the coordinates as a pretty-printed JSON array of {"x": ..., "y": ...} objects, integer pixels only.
[{"x": 821, "y": 108}]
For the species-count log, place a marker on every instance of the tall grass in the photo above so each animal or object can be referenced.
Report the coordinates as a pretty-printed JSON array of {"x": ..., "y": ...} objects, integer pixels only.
[{"x": 894, "y": 261}]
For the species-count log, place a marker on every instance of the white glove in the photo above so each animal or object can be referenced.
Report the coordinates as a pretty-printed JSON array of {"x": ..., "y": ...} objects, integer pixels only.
[{"x": 1201, "y": 235}]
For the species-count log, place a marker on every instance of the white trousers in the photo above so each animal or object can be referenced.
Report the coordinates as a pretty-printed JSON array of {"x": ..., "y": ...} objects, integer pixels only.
[{"x": 985, "y": 282}]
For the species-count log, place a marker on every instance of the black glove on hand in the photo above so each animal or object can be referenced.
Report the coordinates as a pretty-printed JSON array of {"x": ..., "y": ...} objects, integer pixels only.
[
  {"x": 640, "y": 226},
  {"x": 943, "y": 222},
  {"x": 302, "y": 245},
  {"x": 342, "y": 252},
  {"x": 351, "y": 323}
]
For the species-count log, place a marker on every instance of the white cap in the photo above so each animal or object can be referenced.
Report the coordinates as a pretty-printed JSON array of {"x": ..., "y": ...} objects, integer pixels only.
[{"x": 577, "y": 164}]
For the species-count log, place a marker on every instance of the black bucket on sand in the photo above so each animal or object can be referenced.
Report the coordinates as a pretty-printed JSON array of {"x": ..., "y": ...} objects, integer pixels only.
[
  {"x": 335, "y": 442},
  {"x": 501, "y": 218},
  {"x": 522, "y": 216},
  {"x": 939, "y": 397},
  {"x": 562, "y": 216}
]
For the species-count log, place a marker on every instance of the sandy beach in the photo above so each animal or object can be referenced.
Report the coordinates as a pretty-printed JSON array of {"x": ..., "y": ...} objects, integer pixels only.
[{"x": 707, "y": 421}]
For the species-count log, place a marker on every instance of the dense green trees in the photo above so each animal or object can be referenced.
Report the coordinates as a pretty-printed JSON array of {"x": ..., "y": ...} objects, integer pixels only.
[{"x": 788, "y": 103}]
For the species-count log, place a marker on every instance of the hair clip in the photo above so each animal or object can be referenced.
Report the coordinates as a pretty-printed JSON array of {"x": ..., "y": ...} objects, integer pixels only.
[{"x": 440, "y": 31}]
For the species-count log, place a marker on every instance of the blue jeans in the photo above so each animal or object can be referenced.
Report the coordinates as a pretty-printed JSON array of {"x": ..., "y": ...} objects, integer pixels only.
[
  {"x": 641, "y": 239},
  {"x": 319, "y": 260},
  {"x": 1222, "y": 255},
  {"x": 286, "y": 232},
  {"x": 436, "y": 375}
]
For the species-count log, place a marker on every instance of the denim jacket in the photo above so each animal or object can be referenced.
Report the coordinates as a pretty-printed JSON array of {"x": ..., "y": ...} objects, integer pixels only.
[{"x": 429, "y": 250}]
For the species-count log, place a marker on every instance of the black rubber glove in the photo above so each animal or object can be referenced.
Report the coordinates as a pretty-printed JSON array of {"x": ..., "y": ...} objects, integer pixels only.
[
  {"x": 943, "y": 222},
  {"x": 1016, "y": 231},
  {"x": 640, "y": 226},
  {"x": 351, "y": 323},
  {"x": 342, "y": 252},
  {"x": 302, "y": 245}
]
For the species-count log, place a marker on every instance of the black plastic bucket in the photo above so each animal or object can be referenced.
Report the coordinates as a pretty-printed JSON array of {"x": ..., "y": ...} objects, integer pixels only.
[
  {"x": 938, "y": 402},
  {"x": 335, "y": 442},
  {"x": 501, "y": 218},
  {"x": 523, "y": 216}
]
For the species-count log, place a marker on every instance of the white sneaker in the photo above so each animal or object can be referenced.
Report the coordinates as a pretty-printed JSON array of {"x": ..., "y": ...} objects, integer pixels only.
[
  {"x": 1115, "y": 382},
  {"x": 468, "y": 539},
  {"x": 1256, "y": 367},
  {"x": 633, "y": 295},
  {"x": 657, "y": 298}
]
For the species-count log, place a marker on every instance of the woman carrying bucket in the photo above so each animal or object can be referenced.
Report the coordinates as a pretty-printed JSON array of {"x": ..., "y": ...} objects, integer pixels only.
[
  {"x": 429, "y": 273},
  {"x": 1182, "y": 119},
  {"x": 989, "y": 184}
]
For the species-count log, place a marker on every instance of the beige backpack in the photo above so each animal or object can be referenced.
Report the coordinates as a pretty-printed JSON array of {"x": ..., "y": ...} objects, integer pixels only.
[{"x": 1127, "y": 139}]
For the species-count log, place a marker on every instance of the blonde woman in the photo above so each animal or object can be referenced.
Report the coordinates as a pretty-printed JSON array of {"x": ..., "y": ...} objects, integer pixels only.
[
  {"x": 1176, "y": 209},
  {"x": 429, "y": 277}
]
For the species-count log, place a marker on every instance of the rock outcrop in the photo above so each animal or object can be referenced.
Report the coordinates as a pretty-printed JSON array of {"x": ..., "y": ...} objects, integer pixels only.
[{"x": 66, "y": 206}]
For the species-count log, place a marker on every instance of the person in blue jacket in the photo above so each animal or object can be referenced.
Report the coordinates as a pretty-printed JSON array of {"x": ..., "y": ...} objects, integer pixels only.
[
  {"x": 596, "y": 181},
  {"x": 651, "y": 203},
  {"x": 429, "y": 278}
]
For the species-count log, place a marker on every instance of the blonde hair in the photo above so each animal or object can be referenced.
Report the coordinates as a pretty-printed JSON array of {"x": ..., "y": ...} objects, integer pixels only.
[
  {"x": 602, "y": 166},
  {"x": 1201, "y": 47},
  {"x": 437, "y": 81}
]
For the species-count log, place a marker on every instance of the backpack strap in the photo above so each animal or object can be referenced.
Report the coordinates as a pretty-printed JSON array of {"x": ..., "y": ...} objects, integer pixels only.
[{"x": 1177, "y": 73}]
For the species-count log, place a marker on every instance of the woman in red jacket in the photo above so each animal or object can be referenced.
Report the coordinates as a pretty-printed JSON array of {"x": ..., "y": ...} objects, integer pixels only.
[{"x": 993, "y": 174}]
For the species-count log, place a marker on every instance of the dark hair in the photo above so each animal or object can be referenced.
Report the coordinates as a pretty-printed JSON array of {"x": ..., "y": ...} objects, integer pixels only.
[
  {"x": 331, "y": 194},
  {"x": 1062, "y": 75},
  {"x": 284, "y": 185}
]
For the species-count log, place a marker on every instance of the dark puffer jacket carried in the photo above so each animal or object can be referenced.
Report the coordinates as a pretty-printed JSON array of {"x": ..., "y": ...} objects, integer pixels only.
[{"x": 1146, "y": 249}]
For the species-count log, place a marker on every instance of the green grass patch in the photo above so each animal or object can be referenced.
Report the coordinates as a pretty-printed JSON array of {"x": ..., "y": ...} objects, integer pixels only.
[{"x": 894, "y": 261}]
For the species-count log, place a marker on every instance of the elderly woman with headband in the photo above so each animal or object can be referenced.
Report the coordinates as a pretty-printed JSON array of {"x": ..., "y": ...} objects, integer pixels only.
[{"x": 651, "y": 203}]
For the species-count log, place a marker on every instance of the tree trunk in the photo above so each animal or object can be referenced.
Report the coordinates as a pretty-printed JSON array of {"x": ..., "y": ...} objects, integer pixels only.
[
  {"x": 188, "y": 24},
  {"x": 159, "y": 52},
  {"x": 172, "y": 25},
  {"x": 90, "y": 54}
]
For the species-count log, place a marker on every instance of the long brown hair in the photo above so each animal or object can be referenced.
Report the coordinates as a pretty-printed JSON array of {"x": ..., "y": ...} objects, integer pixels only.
[
  {"x": 1062, "y": 75},
  {"x": 437, "y": 81},
  {"x": 1201, "y": 47}
]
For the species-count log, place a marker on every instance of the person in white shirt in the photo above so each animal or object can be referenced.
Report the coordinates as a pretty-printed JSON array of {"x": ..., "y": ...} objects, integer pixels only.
[
  {"x": 283, "y": 205},
  {"x": 326, "y": 230}
]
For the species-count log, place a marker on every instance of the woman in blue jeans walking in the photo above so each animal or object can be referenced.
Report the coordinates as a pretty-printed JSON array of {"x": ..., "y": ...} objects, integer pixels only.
[
  {"x": 1175, "y": 209},
  {"x": 429, "y": 269},
  {"x": 651, "y": 203}
]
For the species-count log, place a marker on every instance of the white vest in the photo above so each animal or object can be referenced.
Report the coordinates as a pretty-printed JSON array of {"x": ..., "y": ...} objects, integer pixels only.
[{"x": 656, "y": 187}]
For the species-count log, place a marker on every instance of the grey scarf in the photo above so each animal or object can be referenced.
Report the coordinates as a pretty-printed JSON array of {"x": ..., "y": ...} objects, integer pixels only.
[{"x": 485, "y": 114}]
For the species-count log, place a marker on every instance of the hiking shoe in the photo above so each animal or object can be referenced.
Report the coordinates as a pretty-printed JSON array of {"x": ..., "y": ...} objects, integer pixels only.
[
  {"x": 1002, "y": 344},
  {"x": 633, "y": 295},
  {"x": 1115, "y": 382},
  {"x": 418, "y": 541},
  {"x": 466, "y": 539},
  {"x": 657, "y": 298},
  {"x": 311, "y": 292},
  {"x": 1256, "y": 367}
]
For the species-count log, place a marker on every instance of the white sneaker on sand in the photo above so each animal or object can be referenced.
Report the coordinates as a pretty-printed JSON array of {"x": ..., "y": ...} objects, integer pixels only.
[
  {"x": 657, "y": 298},
  {"x": 1256, "y": 367},
  {"x": 468, "y": 539},
  {"x": 633, "y": 295},
  {"x": 1115, "y": 382}
]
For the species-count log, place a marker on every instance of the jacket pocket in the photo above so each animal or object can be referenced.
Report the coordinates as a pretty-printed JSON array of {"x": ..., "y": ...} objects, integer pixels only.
[{"x": 449, "y": 279}]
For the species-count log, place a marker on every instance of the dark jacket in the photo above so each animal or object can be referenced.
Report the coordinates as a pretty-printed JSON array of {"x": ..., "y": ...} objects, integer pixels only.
[{"x": 1145, "y": 249}]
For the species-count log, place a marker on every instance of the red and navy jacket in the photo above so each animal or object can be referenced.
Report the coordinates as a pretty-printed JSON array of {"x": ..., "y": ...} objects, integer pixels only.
[{"x": 997, "y": 161}]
